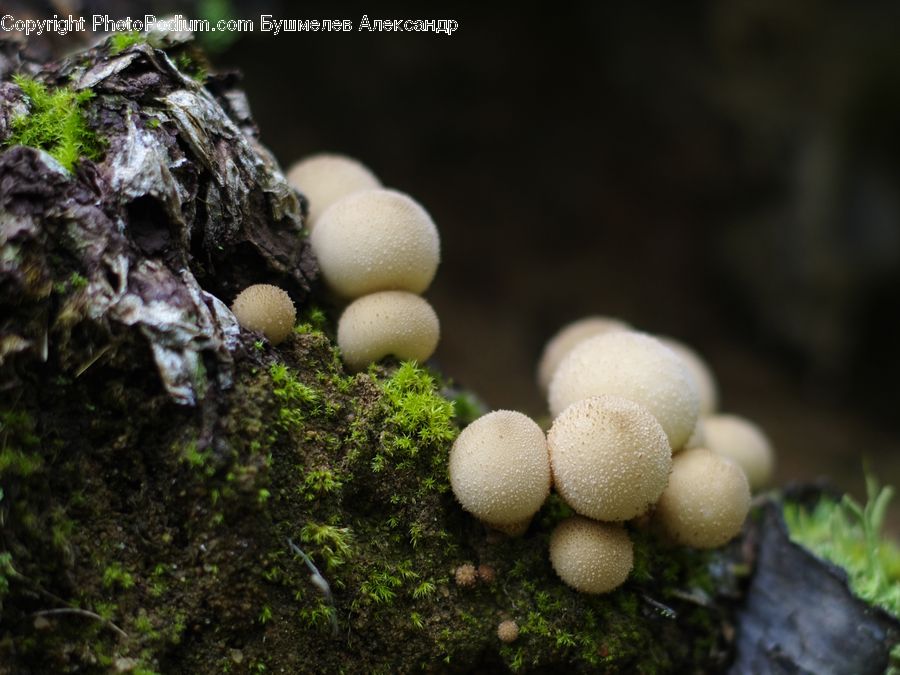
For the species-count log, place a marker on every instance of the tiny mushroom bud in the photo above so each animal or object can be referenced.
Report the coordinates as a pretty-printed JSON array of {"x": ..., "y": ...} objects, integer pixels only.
[
  {"x": 390, "y": 322},
  {"x": 500, "y": 469},
  {"x": 610, "y": 458},
  {"x": 486, "y": 573},
  {"x": 744, "y": 443},
  {"x": 267, "y": 309},
  {"x": 376, "y": 240},
  {"x": 591, "y": 557},
  {"x": 634, "y": 366},
  {"x": 698, "y": 369},
  {"x": 465, "y": 575},
  {"x": 706, "y": 501},
  {"x": 325, "y": 178},
  {"x": 508, "y": 631},
  {"x": 569, "y": 336}
]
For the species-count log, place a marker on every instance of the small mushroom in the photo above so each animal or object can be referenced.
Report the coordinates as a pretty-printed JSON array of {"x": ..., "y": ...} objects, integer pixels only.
[
  {"x": 610, "y": 458},
  {"x": 591, "y": 557},
  {"x": 325, "y": 178},
  {"x": 266, "y": 309},
  {"x": 376, "y": 240},
  {"x": 706, "y": 501},
  {"x": 744, "y": 443},
  {"x": 634, "y": 366},
  {"x": 508, "y": 631},
  {"x": 390, "y": 322},
  {"x": 500, "y": 469},
  {"x": 566, "y": 338}
]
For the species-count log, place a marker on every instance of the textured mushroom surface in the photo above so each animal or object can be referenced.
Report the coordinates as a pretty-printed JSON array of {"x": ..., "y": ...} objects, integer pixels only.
[
  {"x": 267, "y": 309},
  {"x": 390, "y": 322},
  {"x": 706, "y": 501},
  {"x": 610, "y": 457},
  {"x": 591, "y": 557},
  {"x": 566, "y": 338},
  {"x": 744, "y": 443},
  {"x": 376, "y": 240},
  {"x": 500, "y": 468},
  {"x": 634, "y": 366},
  {"x": 325, "y": 178},
  {"x": 699, "y": 370}
]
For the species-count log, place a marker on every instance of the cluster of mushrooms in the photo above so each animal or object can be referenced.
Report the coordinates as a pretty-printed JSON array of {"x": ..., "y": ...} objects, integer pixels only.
[
  {"x": 635, "y": 439},
  {"x": 378, "y": 249}
]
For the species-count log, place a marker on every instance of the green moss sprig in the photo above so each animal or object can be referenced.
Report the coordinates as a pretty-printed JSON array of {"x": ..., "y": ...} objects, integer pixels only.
[
  {"x": 55, "y": 123},
  {"x": 848, "y": 534}
]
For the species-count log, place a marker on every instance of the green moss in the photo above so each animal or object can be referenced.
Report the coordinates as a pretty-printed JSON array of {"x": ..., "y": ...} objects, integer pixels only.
[
  {"x": 119, "y": 42},
  {"x": 848, "y": 534},
  {"x": 116, "y": 576},
  {"x": 55, "y": 123}
]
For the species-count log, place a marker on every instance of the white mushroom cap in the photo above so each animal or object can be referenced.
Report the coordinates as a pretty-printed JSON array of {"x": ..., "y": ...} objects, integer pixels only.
[
  {"x": 566, "y": 338},
  {"x": 610, "y": 457},
  {"x": 390, "y": 322},
  {"x": 266, "y": 309},
  {"x": 698, "y": 436},
  {"x": 634, "y": 366},
  {"x": 706, "y": 501},
  {"x": 325, "y": 178},
  {"x": 591, "y": 557},
  {"x": 744, "y": 443},
  {"x": 376, "y": 240},
  {"x": 500, "y": 468},
  {"x": 707, "y": 388}
]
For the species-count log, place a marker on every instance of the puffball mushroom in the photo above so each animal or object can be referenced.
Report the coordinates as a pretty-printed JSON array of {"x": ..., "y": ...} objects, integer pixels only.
[
  {"x": 634, "y": 366},
  {"x": 744, "y": 443},
  {"x": 591, "y": 557},
  {"x": 326, "y": 178},
  {"x": 707, "y": 388},
  {"x": 566, "y": 338},
  {"x": 508, "y": 631},
  {"x": 390, "y": 322},
  {"x": 706, "y": 501},
  {"x": 376, "y": 240},
  {"x": 267, "y": 309},
  {"x": 500, "y": 468},
  {"x": 610, "y": 458}
]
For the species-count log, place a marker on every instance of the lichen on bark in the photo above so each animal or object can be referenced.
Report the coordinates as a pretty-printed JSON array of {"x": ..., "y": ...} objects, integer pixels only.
[{"x": 179, "y": 496}]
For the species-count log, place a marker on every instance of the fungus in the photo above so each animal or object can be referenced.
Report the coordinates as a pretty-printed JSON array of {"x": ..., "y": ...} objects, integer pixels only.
[
  {"x": 697, "y": 368},
  {"x": 465, "y": 575},
  {"x": 744, "y": 443},
  {"x": 565, "y": 339},
  {"x": 706, "y": 501},
  {"x": 610, "y": 458},
  {"x": 500, "y": 468},
  {"x": 508, "y": 631},
  {"x": 697, "y": 438},
  {"x": 390, "y": 322},
  {"x": 376, "y": 240},
  {"x": 266, "y": 309},
  {"x": 634, "y": 366},
  {"x": 591, "y": 557},
  {"x": 486, "y": 573},
  {"x": 325, "y": 178}
]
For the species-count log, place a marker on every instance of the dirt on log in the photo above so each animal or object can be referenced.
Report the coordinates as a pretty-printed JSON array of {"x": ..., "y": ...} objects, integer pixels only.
[{"x": 178, "y": 496}]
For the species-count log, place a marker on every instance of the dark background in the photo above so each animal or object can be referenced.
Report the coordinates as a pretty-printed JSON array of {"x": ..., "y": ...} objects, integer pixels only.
[{"x": 722, "y": 172}]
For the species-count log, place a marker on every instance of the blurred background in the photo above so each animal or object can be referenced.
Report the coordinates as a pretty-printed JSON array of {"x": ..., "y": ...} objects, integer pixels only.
[{"x": 726, "y": 173}]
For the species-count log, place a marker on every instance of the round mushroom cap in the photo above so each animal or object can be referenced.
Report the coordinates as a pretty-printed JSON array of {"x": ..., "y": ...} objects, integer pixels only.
[
  {"x": 266, "y": 309},
  {"x": 325, "y": 178},
  {"x": 698, "y": 436},
  {"x": 706, "y": 501},
  {"x": 707, "y": 388},
  {"x": 566, "y": 338},
  {"x": 744, "y": 443},
  {"x": 500, "y": 469},
  {"x": 508, "y": 631},
  {"x": 610, "y": 458},
  {"x": 376, "y": 240},
  {"x": 390, "y": 322},
  {"x": 591, "y": 557},
  {"x": 634, "y": 366}
]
